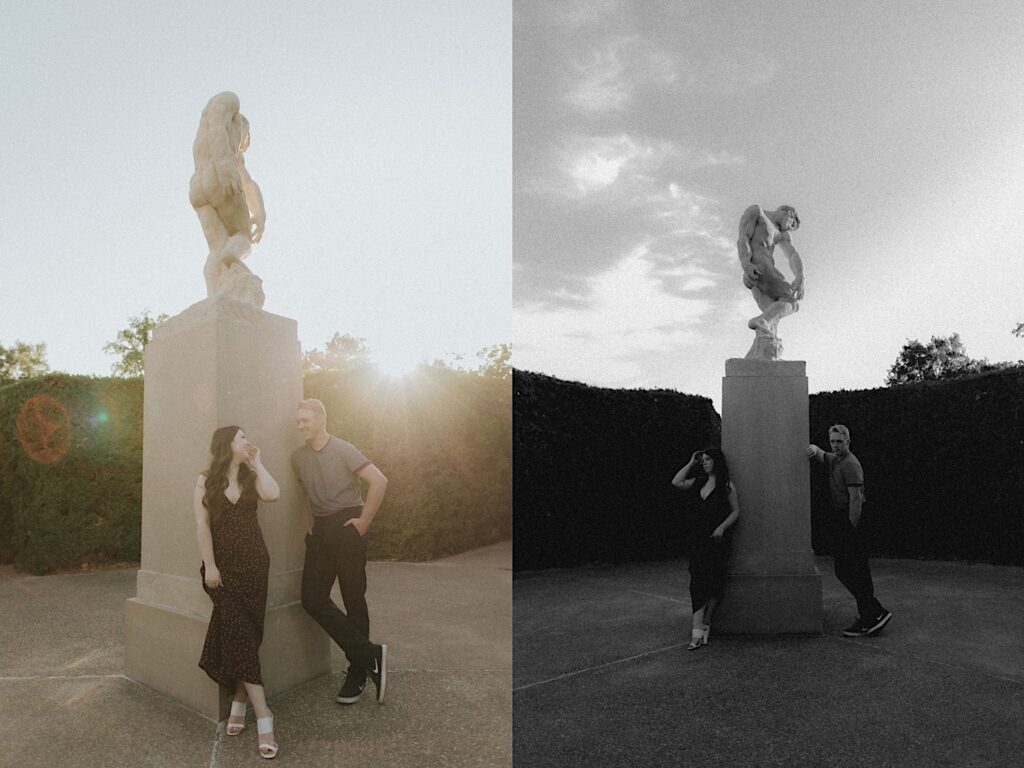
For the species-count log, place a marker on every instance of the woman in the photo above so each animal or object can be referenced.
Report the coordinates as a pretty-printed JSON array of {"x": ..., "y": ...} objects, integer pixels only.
[
  {"x": 234, "y": 571},
  {"x": 717, "y": 511}
]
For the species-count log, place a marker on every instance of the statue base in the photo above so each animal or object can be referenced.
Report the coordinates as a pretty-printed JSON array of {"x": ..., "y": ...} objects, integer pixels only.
[
  {"x": 773, "y": 585},
  {"x": 219, "y": 362},
  {"x": 766, "y": 346},
  {"x": 240, "y": 284}
]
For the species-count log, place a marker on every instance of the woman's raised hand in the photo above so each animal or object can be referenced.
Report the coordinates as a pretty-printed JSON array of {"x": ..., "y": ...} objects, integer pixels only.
[{"x": 254, "y": 456}]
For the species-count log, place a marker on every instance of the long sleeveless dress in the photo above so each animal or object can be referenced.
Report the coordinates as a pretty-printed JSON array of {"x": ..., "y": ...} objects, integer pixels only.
[
  {"x": 709, "y": 559},
  {"x": 231, "y": 650}
]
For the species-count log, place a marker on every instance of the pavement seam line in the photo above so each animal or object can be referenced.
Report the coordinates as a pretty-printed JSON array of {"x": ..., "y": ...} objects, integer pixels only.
[
  {"x": 216, "y": 745},
  {"x": 597, "y": 667},
  {"x": 62, "y": 677},
  {"x": 660, "y": 597},
  {"x": 875, "y": 649}
]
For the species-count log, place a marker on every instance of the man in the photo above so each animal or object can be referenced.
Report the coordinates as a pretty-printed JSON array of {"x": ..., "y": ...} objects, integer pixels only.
[
  {"x": 337, "y": 520},
  {"x": 846, "y": 481},
  {"x": 760, "y": 232}
]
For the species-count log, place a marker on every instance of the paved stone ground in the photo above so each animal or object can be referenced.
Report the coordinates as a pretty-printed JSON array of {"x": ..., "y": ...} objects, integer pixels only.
[
  {"x": 64, "y": 700},
  {"x": 602, "y": 676}
]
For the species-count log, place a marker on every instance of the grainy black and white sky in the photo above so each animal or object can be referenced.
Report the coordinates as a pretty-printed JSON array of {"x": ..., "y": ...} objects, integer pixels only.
[{"x": 643, "y": 130}]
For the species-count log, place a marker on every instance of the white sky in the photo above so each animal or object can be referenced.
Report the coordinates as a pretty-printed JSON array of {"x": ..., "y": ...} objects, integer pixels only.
[
  {"x": 643, "y": 130},
  {"x": 381, "y": 140}
]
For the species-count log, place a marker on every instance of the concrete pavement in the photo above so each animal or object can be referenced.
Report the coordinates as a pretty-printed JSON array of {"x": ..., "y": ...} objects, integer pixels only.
[
  {"x": 64, "y": 700},
  {"x": 602, "y": 676}
]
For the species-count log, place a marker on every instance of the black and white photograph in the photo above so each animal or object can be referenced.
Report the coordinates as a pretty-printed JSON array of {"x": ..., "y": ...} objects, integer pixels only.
[{"x": 768, "y": 342}]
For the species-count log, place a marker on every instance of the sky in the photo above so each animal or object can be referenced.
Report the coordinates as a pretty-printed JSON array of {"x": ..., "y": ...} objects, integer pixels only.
[
  {"x": 380, "y": 139},
  {"x": 643, "y": 130}
]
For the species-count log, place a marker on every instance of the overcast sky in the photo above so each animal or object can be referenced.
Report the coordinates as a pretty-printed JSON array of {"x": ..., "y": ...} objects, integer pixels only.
[
  {"x": 643, "y": 130},
  {"x": 381, "y": 140}
]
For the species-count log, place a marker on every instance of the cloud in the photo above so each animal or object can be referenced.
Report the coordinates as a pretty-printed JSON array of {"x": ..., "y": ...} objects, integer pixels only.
[
  {"x": 592, "y": 163},
  {"x": 624, "y": 316},
  {"x": 605, "y": 77},
  {"x": 572, "y": 15}
]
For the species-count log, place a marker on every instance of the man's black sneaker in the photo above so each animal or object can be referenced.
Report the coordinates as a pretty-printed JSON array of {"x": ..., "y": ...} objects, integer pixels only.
[
  {"x": 875, "y": 624},
  {"x": 352, "y": 688},
  {"x": 857, "y": 629},
  {"x": 377, "y": 670}
]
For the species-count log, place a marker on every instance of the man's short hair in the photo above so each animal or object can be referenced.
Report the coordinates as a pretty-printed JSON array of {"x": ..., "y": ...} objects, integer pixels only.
[
  {"x": 315, "y": 406},
  {"x": 840, "y": 429},
  {"x": 791, "y": 209}
]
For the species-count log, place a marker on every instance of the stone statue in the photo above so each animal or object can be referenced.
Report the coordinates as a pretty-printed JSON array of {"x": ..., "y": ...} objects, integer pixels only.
[
  {"x": 760, "y": 232},
  {"x": 227, "y": 200}
]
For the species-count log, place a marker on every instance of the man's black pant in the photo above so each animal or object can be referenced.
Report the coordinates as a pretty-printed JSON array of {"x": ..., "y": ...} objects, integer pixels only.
[
  {"x": 850, "y": 555},
  {"x": 337, "y": 551}
]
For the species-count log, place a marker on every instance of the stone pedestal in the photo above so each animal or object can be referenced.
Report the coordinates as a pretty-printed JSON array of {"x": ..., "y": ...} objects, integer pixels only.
[
  {"x": 773, "y": 585},
  {"x": 219, "y": 362}
]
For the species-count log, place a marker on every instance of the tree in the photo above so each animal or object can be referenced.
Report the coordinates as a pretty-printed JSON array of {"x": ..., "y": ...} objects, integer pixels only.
[
  {"x": 342, "y": 352},
  {"x": 1018, "y": 330},
  {"x": 22, "y": 360},
  {"x": 496, "y": 361},
  {"x": 131, "y": 343},
  {"x": 944, "y": 357}
]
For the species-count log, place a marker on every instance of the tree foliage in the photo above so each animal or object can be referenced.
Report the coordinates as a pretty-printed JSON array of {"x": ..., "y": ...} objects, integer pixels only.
[
  {"x": 131, "y": 343},
  {"x": 496, "y": 362},
  {"x": 944, "y": 357},
  {"x": 21, "y": 361},
  {"x": 343, "y": 352}
]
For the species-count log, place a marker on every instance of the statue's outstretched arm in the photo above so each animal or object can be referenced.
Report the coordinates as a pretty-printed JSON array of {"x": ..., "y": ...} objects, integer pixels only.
[
  {"x": 254, "y": 199},
  {"x": 796, "y": 266}
]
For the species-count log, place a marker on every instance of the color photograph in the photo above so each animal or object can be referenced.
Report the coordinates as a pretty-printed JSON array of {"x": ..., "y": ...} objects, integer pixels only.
[{"x": 255, "y": 384}]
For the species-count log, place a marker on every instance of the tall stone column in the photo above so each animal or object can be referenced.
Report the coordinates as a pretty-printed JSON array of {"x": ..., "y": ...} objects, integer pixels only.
[
  {"x": 773, "y": 585},
  {"x": 219, "y": 362}
]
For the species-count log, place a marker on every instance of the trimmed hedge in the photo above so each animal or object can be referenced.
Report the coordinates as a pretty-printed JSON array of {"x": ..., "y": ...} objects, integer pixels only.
[
  {"x": 442, "y": 437},
  {"x": 70, "y": 471},
  {"x": 593, "y": 469},
  {"x": 943, "y": 464}
]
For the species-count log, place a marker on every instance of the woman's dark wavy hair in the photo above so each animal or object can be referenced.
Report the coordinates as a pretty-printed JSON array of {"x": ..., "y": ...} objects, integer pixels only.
[
  {"x": 720, "y": 468},
  {"x": 217, "y": 472}
]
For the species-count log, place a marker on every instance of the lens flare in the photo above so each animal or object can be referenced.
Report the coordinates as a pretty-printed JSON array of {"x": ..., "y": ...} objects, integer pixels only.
[
  {"x": 99, "y": 418},
  {"x": 44, "y": 429}
]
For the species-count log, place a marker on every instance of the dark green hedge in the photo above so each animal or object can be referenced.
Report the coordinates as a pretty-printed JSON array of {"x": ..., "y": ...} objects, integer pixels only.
[
  {"x": 593, "y": 469},
  {"x": 442, "y": 437},
  {"x": 70, "y": 492},
  {"x": 943, "y": 465}
]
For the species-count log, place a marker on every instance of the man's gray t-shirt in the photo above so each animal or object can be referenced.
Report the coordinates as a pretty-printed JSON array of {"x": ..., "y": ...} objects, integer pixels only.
[
  {"x": 843, "y": 473},
  {"x": 329, "y": 475}
]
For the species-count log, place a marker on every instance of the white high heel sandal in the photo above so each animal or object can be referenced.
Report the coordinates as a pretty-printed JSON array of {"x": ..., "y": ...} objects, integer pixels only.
[
  {"x": 698, "y": 637},
  {"x": 265, "y": 726},
  {"x": 237, "y": 710}
]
